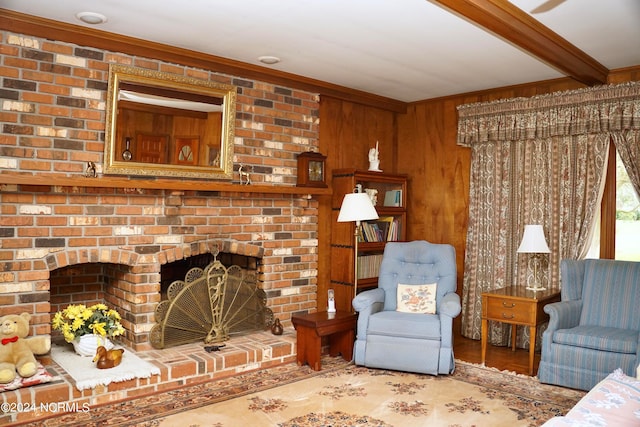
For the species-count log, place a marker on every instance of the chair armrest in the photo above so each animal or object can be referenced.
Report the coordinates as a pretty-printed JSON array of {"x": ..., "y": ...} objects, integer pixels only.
[
  {"x": 449, "y": 308},
  {"x": 367, "y": 299},
  {"x": 450, "y": 305},
  {"x": 367, "y": 303},
  {"x": 563, "y": 314}
]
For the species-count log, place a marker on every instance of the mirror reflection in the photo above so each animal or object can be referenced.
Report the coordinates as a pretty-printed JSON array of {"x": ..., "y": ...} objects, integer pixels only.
[{"x": 167, "y": 125}]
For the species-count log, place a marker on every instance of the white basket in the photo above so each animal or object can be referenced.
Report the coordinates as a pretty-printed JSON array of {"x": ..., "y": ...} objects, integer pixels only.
[{"x": 86, "y": 345}]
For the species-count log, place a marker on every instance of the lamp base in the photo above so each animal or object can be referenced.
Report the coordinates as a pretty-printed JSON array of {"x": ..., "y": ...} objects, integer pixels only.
[{"x": 536, "y": 288}]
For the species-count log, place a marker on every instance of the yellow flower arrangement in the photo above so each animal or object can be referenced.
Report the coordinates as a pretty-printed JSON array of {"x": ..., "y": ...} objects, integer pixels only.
[{"x": 77, "y": 320}]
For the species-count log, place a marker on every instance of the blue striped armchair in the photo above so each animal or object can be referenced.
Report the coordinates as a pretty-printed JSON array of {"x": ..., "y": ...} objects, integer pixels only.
[{"x": 595, "y": 328}]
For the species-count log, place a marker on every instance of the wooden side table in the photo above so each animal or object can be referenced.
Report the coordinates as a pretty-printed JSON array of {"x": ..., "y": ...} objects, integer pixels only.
[
  {"x": 339, "y": 327},
  {"x": 516, "y": 305}
]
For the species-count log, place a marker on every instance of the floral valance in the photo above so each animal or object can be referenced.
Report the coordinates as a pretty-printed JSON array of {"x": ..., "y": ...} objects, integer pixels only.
[{"x": 594, "y": 110}]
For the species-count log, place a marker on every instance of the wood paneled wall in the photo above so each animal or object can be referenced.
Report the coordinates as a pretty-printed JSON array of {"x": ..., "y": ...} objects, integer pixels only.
[
  {"x": 424, "y": 148},
  {"x": 347, "y": 132}
]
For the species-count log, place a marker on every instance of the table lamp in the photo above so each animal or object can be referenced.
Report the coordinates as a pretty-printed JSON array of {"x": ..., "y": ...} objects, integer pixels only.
[
  {"x": 534, "y": 242},
  {"x": 356, "y": 207}
]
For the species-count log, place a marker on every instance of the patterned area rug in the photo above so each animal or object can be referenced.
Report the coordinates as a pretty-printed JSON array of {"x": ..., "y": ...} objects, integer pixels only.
[{"x": 342, "y": 395}]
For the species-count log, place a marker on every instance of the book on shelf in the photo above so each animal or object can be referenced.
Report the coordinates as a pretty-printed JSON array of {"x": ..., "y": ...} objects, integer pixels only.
[
  {"x": 385, "y": 224},
  {"x": 392, "y": 228},
  {"x": 385, "y": 229},
  {"x": 393, "y": 198},
  {"x": 394, "y": 231},
  {"x": 369, "y": 232},
  {"x": 369, "y": 266}
]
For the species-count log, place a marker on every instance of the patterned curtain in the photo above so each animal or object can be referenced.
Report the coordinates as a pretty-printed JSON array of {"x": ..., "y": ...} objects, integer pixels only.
[{"x": 537, "y": 160}]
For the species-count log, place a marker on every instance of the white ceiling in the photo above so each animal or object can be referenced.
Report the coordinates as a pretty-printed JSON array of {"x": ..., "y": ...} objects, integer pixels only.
[{"x": 407, "y": 50}]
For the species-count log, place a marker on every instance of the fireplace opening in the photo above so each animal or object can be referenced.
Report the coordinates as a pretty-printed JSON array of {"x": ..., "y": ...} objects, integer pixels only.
[
  {"x": 115, "y": 285},
  {"x": 77, "y": 284},
  {"x": 177, "y": 270},
  {"x": 132, "y": 290},
  {"x": 211, "y": 304}
]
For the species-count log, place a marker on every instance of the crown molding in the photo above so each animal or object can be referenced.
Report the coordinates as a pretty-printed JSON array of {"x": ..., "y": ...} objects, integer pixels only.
[{"x": 60, "y": 31}]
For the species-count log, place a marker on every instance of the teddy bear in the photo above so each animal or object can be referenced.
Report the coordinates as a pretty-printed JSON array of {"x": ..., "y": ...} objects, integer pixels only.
[{"x": 16, "y": 350}]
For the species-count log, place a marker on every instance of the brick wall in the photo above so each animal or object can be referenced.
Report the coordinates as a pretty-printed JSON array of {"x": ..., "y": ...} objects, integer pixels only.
[{"x": 53, "y": 122}]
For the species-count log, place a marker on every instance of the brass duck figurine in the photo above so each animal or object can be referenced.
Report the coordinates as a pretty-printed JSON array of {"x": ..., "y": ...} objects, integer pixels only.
[{"x": 108, "y": 358}]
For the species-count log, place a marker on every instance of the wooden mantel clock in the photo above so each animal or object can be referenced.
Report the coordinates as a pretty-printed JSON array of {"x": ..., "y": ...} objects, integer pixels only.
[{"x": 311, "y": 170}]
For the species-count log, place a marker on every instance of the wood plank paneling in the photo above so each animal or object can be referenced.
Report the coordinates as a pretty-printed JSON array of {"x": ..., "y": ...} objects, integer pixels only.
[
  {"x": 424, "y": 147},
  {"x": 347, "y": 131},
  {"x": 438, "y": 169},
  {"x": 627, "y": 74}
]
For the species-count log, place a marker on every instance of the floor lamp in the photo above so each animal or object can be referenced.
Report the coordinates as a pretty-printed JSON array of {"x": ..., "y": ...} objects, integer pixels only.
[
  {"x": 533, "y": 242},
  {"x": 356, "y": 207}
]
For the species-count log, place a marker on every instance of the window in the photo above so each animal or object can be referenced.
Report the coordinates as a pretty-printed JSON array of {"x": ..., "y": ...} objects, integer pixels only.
[{"x": 627, "y": 216}]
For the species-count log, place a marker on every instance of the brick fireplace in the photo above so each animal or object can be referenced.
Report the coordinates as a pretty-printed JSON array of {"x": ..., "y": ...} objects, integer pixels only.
[
  {"x": 123, "y": 269},
  {"x": 53, "y": 112},
  {"x": 124, "y": 281}
]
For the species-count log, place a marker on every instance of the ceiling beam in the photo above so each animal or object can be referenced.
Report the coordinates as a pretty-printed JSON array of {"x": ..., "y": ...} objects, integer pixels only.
[{"x": 518, "y": 27}]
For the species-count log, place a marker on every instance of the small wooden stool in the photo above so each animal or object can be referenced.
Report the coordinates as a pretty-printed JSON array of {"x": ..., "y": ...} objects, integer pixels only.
[{"x": 339, "y": 327}]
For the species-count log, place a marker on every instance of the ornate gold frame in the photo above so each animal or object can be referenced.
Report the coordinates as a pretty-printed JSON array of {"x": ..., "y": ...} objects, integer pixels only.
[{"x": 114, "y": 162}]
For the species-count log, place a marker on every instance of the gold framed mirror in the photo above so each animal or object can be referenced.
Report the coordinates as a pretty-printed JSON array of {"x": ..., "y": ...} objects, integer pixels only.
[{"x": 161, "y": 124}]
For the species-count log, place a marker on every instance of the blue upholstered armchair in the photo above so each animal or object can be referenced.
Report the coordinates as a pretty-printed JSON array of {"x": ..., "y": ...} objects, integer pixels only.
[
  {"x": 595, "y": 328},
  {"x": 390, "y": 333}
]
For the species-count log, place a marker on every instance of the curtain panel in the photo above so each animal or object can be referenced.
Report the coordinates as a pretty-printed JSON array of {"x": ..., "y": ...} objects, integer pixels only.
[{"x": 538, "y": 160}]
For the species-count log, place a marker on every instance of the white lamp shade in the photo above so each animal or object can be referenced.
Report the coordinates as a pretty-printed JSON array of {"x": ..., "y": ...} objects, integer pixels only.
[
  {"x": 357, "y": 207},
  {"x": 533, "y": 240}
]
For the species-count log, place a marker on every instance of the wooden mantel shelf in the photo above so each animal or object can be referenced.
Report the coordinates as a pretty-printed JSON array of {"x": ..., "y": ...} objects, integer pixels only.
[{"x": 156, "y": 184}]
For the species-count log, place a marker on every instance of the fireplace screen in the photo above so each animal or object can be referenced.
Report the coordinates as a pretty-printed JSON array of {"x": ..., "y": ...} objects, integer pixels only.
[{"x": 210, "y": 304}]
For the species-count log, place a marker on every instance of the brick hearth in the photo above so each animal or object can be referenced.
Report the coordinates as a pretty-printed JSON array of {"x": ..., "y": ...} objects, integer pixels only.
[{"x": 179, "y": 366}]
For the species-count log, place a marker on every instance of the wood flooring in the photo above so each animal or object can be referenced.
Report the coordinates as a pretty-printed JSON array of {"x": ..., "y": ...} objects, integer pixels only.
[{"x": 502, "y": 358}]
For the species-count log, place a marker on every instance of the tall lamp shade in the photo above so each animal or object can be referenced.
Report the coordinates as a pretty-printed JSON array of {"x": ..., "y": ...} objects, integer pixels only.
[
  {"x": 356, "y": 207},
  {"x": 534, "y": 242}
]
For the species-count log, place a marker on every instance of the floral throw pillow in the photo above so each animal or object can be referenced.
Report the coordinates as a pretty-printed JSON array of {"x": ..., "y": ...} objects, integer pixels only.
[{"x": 417, "y": 298}]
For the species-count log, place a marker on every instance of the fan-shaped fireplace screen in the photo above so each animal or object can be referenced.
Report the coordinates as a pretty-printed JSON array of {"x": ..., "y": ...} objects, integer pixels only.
[{"x": 210, "y": 304}]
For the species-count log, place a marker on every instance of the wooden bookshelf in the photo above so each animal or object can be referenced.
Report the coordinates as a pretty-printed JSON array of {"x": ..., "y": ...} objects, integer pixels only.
[{"x": 391, "y": 226}]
